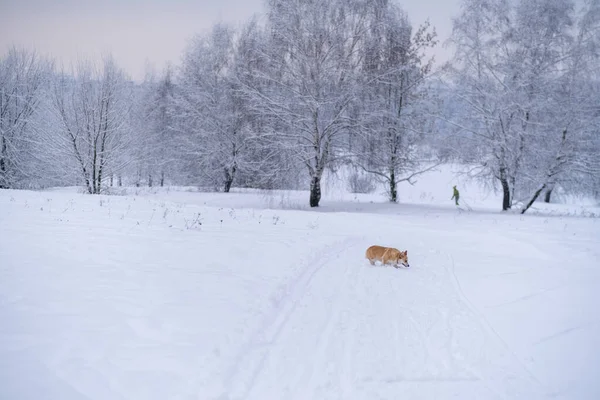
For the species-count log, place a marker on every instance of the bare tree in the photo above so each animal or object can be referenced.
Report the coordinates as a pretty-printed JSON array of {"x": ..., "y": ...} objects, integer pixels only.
[
  {"x": 486, "y": 121},
  {"x": 154, "y": 151},
  {"x": 514, "y": 71},
  {"x": 570, "y": 122},
  {"x": 161, "y": 121},
  {"x": 93, "y": 109},
  {"x": 211, "y": 114},
  {"x": 23, "y": 75},
  {"x": 309, "y": 79},
  {"x": 269, "y": 161},
  {"x": 392, "y": 113}
]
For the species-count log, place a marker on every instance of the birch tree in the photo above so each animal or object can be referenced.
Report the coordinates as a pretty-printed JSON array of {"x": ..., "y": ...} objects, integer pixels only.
[
  {"x": 23, "y": 75},
  {"x": 485, "y": 121},
  {"x": 312, "y": 61},
  {"x": 155, "y": 146},
  {"x": 211, "y": 113},
  {"x": 392, "y": 118},
  {"x": 515, "y": 68},
  {"x": 163, "y": 154},
  {"x": 93, "y": 107},
  {"x": 571, "y": 119},
  {"x": 269, "y": 161}
]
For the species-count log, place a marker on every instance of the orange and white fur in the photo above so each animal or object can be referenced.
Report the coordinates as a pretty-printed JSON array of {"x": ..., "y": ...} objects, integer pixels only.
[{"x": 387, "y": 255}]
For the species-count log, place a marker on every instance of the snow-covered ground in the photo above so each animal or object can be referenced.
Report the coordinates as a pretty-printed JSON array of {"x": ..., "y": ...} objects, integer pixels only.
[{"x": 177, "y": 294}]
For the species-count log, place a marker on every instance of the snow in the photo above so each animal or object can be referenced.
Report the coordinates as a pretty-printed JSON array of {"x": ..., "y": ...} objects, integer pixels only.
[{"x": 178, "y": 294}]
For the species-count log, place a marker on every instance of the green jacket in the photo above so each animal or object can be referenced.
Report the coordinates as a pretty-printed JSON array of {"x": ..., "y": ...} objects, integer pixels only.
[{"x": 456, "y": 194}]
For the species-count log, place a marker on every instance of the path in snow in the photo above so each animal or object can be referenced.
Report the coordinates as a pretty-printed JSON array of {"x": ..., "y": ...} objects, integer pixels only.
[{"x": 348, "y": 330}]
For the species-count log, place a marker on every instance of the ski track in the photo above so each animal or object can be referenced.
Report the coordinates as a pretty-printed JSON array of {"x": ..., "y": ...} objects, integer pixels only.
[
  {"x": 257, "y": 348},
  {"x": 433, "y": 342}
]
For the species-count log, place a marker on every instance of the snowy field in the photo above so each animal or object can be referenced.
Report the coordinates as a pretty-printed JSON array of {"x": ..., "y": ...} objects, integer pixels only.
[{"x": 178, "y": 294}]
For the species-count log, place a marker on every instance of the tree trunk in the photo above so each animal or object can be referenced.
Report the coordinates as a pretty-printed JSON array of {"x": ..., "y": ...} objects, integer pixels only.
[
  {"x": 315, "y": 191},
  {"x": 3, "y": 177},
  {"x": 102, "y": 162},
  {"x": 228, "y": 183},
  {"x": 162, "y": 178},
  {"x": 505, "y": 194},
  {"x": 94, "y": 166},
  {"x": 229, "y": 177},
  {"x": 3, "y": 173},
  {"x": 119, "y": 180},
  {"x": 150, "y": 180},
  {"x": 393, "y": 188},
  {"x": 534, "y": 198},
  {"x": 87, "y": 183},
  {"x": 548, "y": 195},
  {"x": 100, "y": 169},
  {"x": 112, "y": 178}
]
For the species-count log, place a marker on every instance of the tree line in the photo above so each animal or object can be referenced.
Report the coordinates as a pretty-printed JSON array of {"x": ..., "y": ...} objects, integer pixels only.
[{"x": 313, "y": 85}]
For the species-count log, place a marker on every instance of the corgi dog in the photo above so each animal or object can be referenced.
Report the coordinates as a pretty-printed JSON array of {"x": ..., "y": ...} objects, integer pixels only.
[{"x": 387, "y": 255}]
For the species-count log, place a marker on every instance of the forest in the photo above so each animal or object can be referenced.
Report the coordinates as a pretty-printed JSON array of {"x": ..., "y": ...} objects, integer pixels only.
[{"x": 312, "y": 85}]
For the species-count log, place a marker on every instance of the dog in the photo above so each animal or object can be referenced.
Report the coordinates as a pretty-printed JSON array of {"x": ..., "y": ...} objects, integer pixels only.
[{"x": 387, "y": 255}]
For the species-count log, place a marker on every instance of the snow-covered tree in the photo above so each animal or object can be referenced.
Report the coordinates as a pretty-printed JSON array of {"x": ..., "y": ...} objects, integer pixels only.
[
  {"x": 269, "y": 161},
  {"x": 391, "y": 114},
  {"x": 93, "y": 108},
  {"x": 517, "y": 70},
  {"x": 210, "y": 111},
  {"x": 155, "y": 149},
  {"x": 23, "y": 75},
  {"x": 311, "y": 61}
]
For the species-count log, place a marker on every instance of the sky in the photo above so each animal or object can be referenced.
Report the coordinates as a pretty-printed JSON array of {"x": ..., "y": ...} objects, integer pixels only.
[{"x": 142, "y": 33}]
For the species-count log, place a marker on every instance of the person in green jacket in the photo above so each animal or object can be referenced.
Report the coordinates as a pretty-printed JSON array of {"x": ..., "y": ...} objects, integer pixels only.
[{"x": 456, "y": 195}]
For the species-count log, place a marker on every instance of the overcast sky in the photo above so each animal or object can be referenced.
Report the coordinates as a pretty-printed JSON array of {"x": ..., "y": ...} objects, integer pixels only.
[{"x": 137, "y": 32}]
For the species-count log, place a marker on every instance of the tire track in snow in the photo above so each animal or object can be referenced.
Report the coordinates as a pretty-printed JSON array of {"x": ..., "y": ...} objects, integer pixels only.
[{"x": 257, "y": 348}]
